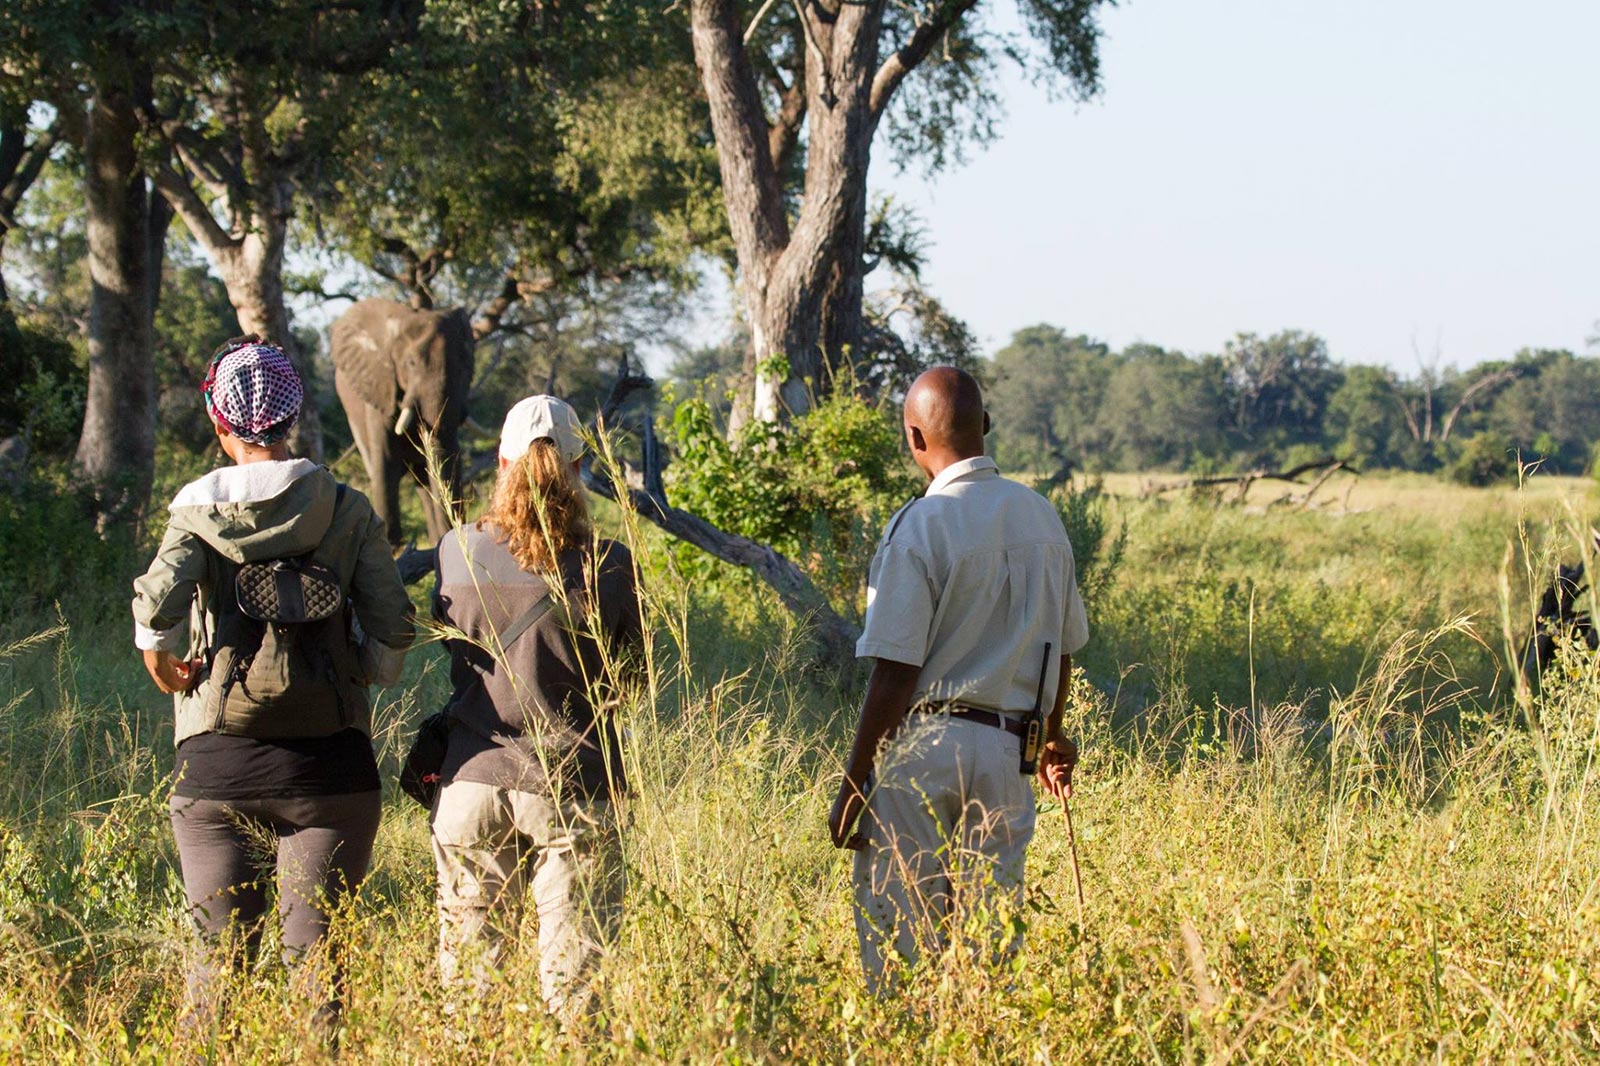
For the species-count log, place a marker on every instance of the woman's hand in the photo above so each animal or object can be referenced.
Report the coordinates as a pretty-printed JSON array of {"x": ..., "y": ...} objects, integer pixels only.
[{"x": 171, "y": 674}]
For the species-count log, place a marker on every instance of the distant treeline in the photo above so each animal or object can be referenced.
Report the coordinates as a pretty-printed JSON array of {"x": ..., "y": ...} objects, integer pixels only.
[{"x": 1059, "y": 399}]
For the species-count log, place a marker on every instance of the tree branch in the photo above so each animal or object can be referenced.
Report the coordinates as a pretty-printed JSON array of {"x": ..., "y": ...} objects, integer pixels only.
[
  {"x": 739, "y": 124},
  {"x": 189, "y": 207},
  {"x": 1488, "y": 381},
  {"x": 910, "y": 55},
  {"x": 21, "y": 168}
]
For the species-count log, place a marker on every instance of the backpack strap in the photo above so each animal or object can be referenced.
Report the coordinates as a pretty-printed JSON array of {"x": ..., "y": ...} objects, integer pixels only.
[
  {"x": 527, "y": 621},
  {"x": 511, "y": 634}
]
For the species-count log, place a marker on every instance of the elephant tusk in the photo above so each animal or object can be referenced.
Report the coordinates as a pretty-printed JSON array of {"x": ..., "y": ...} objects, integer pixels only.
[{"x": 408, "y": 415}]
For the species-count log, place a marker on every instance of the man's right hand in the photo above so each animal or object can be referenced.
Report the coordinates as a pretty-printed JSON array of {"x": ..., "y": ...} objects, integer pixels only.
[{"x": 1056, "y": 763}]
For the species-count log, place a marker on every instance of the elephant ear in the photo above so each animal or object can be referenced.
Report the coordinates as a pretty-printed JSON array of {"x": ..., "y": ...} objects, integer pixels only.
[{"x": 362, "y": 346}]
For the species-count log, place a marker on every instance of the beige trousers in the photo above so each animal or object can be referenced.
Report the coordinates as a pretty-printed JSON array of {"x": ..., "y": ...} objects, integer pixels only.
[
  {"x": 490, "y": 846},
  {"x": 947, "y": 825}
]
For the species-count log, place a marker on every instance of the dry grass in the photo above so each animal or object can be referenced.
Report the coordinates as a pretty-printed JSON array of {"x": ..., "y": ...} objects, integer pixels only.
[{"x": 1379, "y": 864}]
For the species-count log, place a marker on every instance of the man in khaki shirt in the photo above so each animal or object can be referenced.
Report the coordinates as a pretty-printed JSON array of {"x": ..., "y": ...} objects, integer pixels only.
[{"x": 973, "y": 614}]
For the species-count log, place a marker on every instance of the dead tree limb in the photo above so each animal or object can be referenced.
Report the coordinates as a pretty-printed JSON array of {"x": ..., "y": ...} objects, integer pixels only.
[
  {"x": 1328, "y": 465},
  {"x": 646, "y": 496},
  {"x": 794, "y": 588},
  {"x": 1301, "y": 500}
]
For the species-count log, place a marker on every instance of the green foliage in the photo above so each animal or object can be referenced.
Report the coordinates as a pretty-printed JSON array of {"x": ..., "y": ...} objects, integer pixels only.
[
  {"x": 43, "y": 398},
  {"x": 1279, "y": 387},
  {"x": 1061, "y": 401},
  {"x": 561, "y": 149},
  {"x": 1364, "y": 420},
  {"x": 1162, "y": 411},
  {"x": 818, "y": 489},
  {"x": 52, "y": 552},
  {"x": 1098, "y": 542},
  {"x": 907, "y": 331},
  {"x": 1485, "y": 458},
  {"x": 951, "y": 101},
  {"x": 1046, "y": 390}
]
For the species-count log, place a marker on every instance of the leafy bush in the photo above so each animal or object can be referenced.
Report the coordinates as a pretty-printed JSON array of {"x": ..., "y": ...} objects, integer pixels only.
[
  {"x": 1485, "y": 459},
  {"x": 53, "y": 553},
  {"x": 1097, "y": 550},
  {"x": 45, "y": 386},
  {"x": 818, "y": 489}
]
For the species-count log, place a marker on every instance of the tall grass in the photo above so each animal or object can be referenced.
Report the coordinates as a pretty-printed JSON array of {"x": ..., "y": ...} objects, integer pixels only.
[{"x": 1374, "y": 855}]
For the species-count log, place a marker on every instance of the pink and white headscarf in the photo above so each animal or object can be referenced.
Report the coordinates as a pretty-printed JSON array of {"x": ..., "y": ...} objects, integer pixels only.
[{"x": 252, "y": 391}]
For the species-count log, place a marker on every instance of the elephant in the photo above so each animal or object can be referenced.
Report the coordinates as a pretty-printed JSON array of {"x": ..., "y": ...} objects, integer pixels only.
[{"x": 401, "y": 373}]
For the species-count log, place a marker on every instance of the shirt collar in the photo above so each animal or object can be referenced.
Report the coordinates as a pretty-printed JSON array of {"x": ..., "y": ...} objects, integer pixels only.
[{"x": 956, "y": 471}]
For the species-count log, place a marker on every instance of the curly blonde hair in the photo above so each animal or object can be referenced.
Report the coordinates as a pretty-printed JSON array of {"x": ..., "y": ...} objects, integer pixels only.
[{"x": 538, "y": 511}]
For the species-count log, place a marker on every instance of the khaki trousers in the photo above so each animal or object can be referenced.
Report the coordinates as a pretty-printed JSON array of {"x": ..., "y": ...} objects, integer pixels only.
[
  {"x": 947, "y": 825},
  {"x": 490, "y": 846}
]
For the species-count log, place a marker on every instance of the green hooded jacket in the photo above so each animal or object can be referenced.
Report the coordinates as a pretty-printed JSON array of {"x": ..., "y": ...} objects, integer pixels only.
[{"x": 269, "y": 510}]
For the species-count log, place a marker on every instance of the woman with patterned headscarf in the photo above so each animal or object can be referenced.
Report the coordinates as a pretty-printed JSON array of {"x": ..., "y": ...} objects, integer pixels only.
[{"x": 271, "y": 606}]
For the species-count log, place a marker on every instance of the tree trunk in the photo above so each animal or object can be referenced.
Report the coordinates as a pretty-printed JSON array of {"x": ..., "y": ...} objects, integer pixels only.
[
  {"x": 247, "y": 253},
  {"x": 801, "y": 290},
  {"x": 117, "y": 447},
  {"x": 252, "y": 272},
  {"x": 158, "y": 223}
]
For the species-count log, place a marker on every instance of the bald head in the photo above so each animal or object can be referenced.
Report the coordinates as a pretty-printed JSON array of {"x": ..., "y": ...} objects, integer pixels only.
[{"x": 944, "y": 417}]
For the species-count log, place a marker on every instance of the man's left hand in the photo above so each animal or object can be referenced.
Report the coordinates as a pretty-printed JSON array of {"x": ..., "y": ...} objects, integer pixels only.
[
  {"x": 846, "y": 813},
  {"x": 1056, "y": 763}
]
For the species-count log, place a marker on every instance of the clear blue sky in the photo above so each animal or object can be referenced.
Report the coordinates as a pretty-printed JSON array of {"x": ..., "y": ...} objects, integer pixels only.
[{"x": 1371, "y": 171}]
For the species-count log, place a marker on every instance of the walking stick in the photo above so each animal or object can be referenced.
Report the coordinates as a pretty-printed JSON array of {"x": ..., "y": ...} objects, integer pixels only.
[{"x": 1072, "y": 846}]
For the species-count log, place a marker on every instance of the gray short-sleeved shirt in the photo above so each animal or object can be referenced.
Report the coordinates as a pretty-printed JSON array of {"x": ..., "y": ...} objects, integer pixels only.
[{"x": 970, "y": 583}]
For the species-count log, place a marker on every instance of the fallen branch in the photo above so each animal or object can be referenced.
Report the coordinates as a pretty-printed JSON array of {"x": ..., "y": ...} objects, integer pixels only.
[
  {"x": 1304, "y": 500},
  {"x": 1328, "y": 465}
]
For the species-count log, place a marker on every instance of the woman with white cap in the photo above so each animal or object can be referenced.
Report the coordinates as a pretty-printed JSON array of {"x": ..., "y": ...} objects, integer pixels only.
[
  {"x": 248, "y": 617},
  {"x": 541, "y": 620}
]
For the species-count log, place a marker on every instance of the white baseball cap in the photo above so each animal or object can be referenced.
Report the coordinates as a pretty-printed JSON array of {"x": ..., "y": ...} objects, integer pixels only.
[{"x": 541, "y": 418}]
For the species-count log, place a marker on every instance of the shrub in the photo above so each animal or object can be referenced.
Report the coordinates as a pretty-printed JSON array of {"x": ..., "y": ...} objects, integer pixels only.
[
  {"x": 54, "y": 554},
  {"x": 1097, "y": 550},
  {"x": 818, "y": 489},
  {"x": 45, "y": 393},
  {"x": 1485, "y": 459}
]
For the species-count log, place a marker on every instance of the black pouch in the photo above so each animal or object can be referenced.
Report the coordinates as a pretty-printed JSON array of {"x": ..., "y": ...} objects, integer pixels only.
[
  {"x": 419, "y": 774},
  {"x": 288, "y": 591}
]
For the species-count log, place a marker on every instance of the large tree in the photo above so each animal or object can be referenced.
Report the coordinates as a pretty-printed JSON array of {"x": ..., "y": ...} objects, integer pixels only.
[
  {"x": 1045, "y": 396},
  {"x": 798, "y": 92},
  {"x": 85, "y": 61},
  {"x": 584, "y": 163},
  {"x": 245, "y": 101}
]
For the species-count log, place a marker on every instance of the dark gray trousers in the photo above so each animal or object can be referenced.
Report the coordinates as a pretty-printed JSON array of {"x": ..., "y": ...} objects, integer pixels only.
[{"x": 319, "y": 847}]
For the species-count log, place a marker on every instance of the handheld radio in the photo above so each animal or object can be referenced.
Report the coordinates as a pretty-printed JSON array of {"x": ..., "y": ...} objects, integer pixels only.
[{"x": 1033, "y": 736}]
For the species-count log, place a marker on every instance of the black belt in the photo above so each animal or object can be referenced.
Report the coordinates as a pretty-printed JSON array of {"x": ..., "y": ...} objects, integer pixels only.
[{"x": 1010, "y": 723}]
